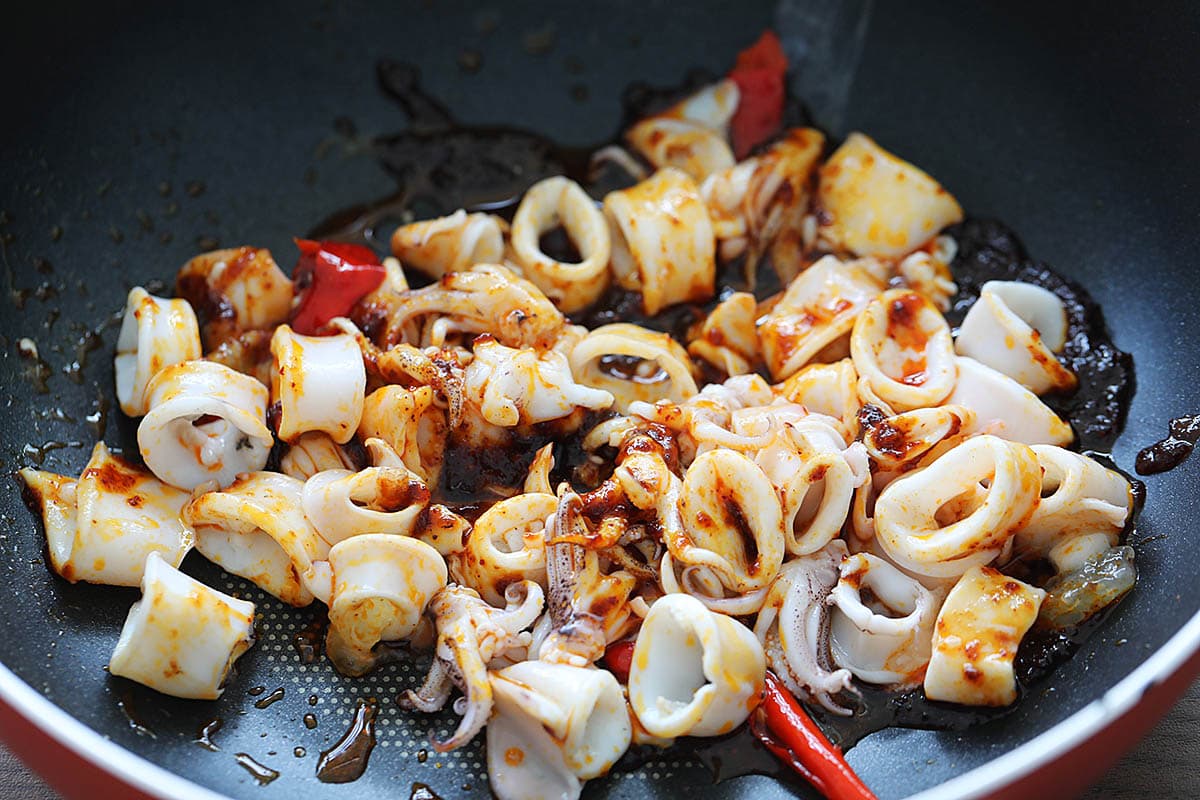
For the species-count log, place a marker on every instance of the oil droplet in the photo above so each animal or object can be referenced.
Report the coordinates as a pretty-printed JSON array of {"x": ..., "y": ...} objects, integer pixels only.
[
  {"x": 255, "y": 691},
  {"x": 260, "y": 772},
  {"x": 204, "y": 737},
  {"x": 422, "y": 792},
  {"x": 310, "y": 721},
  {"x": 271, "y": 699},
  {"x": 299, "y": 752},
  {"x": 125, "y": 703},
  {"x": 347, "y": 760},
  {"x": 312, "y": 699},
  {"x": 422, "y": 755}
]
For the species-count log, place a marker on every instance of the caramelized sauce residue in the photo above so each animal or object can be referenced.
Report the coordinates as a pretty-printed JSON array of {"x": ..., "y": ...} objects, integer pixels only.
[
  {"x": 1173, "y": 450},
  {"x": 347, "y": 760}
]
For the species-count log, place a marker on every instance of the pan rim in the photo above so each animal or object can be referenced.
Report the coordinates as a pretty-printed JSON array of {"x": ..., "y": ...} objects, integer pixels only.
[{"x": 155, "y": 781}]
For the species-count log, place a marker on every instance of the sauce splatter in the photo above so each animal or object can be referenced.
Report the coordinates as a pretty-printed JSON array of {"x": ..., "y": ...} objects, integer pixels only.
[
  {"x": 261, "y": 773},
  {"x": 1173, "y": 450},
  {"x": 347, "y": 760}
]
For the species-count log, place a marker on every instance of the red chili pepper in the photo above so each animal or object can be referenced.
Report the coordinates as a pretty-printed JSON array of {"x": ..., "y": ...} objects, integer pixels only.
[
  {"x": 760, "y": 74},
  {"x": 619, "y": 658},
  {"x": 332, "y": 277},
  {"x": 795, "y": 739}
]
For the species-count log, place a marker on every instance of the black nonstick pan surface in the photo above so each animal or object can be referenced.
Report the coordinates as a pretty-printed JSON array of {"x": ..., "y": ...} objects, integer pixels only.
[{"x": 137, "y": 135}]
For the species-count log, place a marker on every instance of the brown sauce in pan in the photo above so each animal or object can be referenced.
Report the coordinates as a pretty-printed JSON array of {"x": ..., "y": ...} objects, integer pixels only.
[
  {"x": 346, "y": 761},
  {"x": 1173, "y": 450}
]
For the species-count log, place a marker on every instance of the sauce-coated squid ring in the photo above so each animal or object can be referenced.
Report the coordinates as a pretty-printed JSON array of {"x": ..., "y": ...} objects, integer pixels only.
[
  {"x": 732, "y": 521},
  {"x": 546, "y": 205},
  {"x": 340, "y": 503},
  {"x": 1016, "y": 328},
  {"x": 633, "y": 363},
  {"x": 1079, "y": 496},
  {"x": 410, "y": 422},
  {"x": 318, "y": 382},
  {"x": 909, "y": 513},
  {"x": 235, "y": 290},
  {"x": 205, "y": 423},
  {"x": 256, "y": 528},
  {"x": 902, "y": 440},
  {"x": 380, "y": 587},
  {"x": 705, "y": 585},
  {"x": 155, "y": 333},
  {"x": 816, "y": 313},
  {"x": 507, "y": 545},
  {"x": 884, "y": 646},
  {"x": 902, "y": 349},
  {"x": 450, "y": 244},
  {"x": 662, "y": 240},
  {"x": 694, "y": 672},
  {"x": 182, "y": 637}
]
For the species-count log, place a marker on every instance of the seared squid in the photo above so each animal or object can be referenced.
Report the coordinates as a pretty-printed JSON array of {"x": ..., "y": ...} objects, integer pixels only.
[
  {"x": 727, "y": 338},
  {"x": 903, "y": 352},
  {"x": 233, "y": 291},
  {"x": 450, "y": 244},
  {"x": 341, "y": 503},
  {"x": 318, "y": 382},
  {"x": 1006, "y": 408},
  {"x": 507, "y": 545},
  {"x": 470, "y": 633},
  {"x": 411, "y": 424},
  {"x": 155, "y": 333},
  {"x": 633, "y": 363},
  {"x": 692, "y": 134}
]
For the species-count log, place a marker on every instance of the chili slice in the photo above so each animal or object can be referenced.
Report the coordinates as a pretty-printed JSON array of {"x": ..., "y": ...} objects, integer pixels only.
[
  {"x": 792, "y": 736},
  {"x": 332, "y": 277},
  {"x": 618, "y": 659},
  {"x": 760, "y": 74}
]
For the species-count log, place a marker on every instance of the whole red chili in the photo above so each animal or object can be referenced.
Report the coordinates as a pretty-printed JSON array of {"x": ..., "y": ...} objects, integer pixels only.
[{"x": 331, "y": 278}]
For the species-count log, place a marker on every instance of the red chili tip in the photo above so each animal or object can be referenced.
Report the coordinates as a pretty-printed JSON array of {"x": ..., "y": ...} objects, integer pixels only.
[
  {"x": 332, "y": 277},
  {"x": 760, "y": 74}
]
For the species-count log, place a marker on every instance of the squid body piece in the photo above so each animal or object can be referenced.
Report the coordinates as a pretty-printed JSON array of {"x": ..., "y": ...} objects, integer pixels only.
[
  {"x": 878, "y": 205},
  {"x": 411, "y": 424},
  {"x": 690, "y": 135},
  {"x": 235, "y": 290},
  {"x": 102, "y": 527},
  {"x": 450, "y": 244},
  {"x": 1017, "y": 328},
  {"x": 827, "y": 389},
  {"x": 816, "y": 313},
  {"x": 341, "y": 504},
  {"x": 182, "y": 637},
  {"x": 155, "y": 333},
  {"x": 508, "y": 545},
  {"x": 1079, "y": 497},
  {"x": 522, "y": 387},
  {"x": 548, "y": 204},
  {"x": 380, "y": 587},
  {"x": 694, "y": 672},
  {"x": 728, "y": 339},
  {"x": 313, "y": 452},
  {"x": 555, "y": 726},
  {"x": 205, "y": 423},
  {"x": 885, "y": 640},
  {"x": 1006, "y": 408},
  {"x": 662, "y": 240},
  {"x": 940, "y": 520},
  {"x": 976, "y": 638},
  {"x": 633, "y": 363},
  {"x": 903, "y": 352},
  {"x": 256, "y": 528},
  {"x": 900, "y": 441},
  {"x": 319, "y": 383}
]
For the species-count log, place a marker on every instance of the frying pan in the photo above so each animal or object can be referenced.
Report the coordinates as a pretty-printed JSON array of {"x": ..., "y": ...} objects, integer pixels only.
[{"x": 136, "y": 135}]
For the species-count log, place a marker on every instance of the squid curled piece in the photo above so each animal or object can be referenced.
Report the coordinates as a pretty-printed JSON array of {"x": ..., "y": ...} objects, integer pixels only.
[
  {"x": 233, "y": 291},
  {"x": 1016, "y": 328},
  {"x": 318, "y": 382},
  {"x": 941, "y": 521},
  {"x": 587, "y": 608},
  {"x": 732, "y": 522},
  {"x": 1079, "y": 497},
  {"x": 313, "y": 452},
  {"x": 928, "y": 271},
  {"x": 411, "y": 424},
  {"x": 341, "y": 503},
  {"x": 255, "y": 528},
  {"x": 548, "y": 204},
  {"x": 102, "y": 527},
  {"x": 691, "y": 135},
  {"x": 555, "y": 726},
  {"x": 155, "y": 333},
  {"x": 514, "y": 387},
  {"x": 633, "y": 363},
  {"x": 885, "y": 640},
  {"x": 903, "y": 352},
  {"x": 813, "y": 318},
  {"x": 827, "y": 389},
  {"x": 794, "y": 623},
  {"x": 976, "y": 638},
  {"x": 815, "y": 475},
  {"x": 706, "y": 420},
  {"x": 694, "y": 672},
  {"x": 470, "y": 634},
  {"x": 507, "y": 545},
  {"x": 205, "y": 423},
  {"x": 450, "y": 244},
  {"x": 875, "y": 204},
  {"x": 1006, "y": 408},
  {"x": 662, "y": 240},
  {"x": 488, "y": 298},
  {"x": 901, "y": 441},
  {"x": 379, "y": 587},
  {"x": 728, "y": 338},
  {"x": 181, "y": 637}
]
